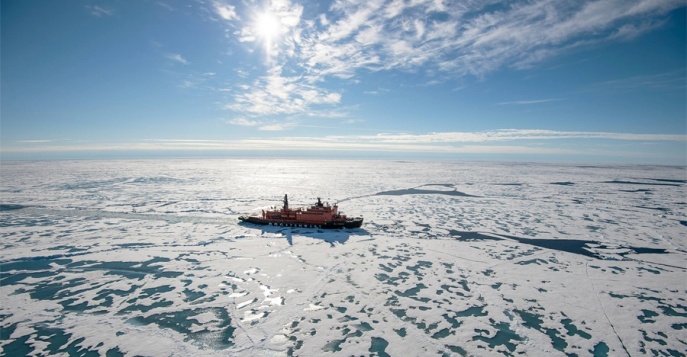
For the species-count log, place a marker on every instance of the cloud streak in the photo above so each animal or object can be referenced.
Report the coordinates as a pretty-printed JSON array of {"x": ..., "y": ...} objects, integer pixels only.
[
  {"x": 505, "y": 135},
  {"x": 528, "y": 102},
  {"x": 177, "y": 58},
  {"x": 502, "y": 142},
  {"x": 100, "y": 11}
]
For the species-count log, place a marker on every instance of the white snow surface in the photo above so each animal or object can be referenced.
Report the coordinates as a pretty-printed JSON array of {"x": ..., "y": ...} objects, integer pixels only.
[{"x": 146, "y": 257}]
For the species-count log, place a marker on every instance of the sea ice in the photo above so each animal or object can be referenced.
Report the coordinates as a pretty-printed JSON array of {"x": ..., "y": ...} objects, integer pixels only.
[{"x": 147, "y": 258}]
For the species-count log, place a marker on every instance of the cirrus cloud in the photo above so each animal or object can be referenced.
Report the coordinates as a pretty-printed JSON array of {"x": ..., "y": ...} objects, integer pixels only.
[{"x": 433, "y": 38}]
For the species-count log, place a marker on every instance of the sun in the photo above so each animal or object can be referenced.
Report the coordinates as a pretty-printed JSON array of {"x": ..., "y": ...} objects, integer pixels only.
[{"x": 267, "y": 28}]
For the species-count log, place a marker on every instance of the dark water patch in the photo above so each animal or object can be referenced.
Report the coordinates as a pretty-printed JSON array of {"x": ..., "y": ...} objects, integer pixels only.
[
  {"x": 503, "y": 337},
  {"x": 443, "y": 333},
  {"x": 650, "y": 339},
  {"x": 106, "y": 295},
  {"x": 412, "y": 291},
  {"x": 86, "y": 185},
  {"x": 134, "y": 270},
  {"x": 594, "y": 228},
  {"x": 134, "y": 245},
  {"x": 534, "y": 321},
  {"x": 533, "y": 261},
  {"x": 334, "y": 346},
  {"x": 387, "y": 279},
  {"x": 379, "y": 345},
  {"x": 600, "y": 350},
  {"x": 648, "y": 316},
  {"x": 18, "y": 347},
  {"x": 144, "y": 308},
  {"x": 620, "y": 182},
  {"x": 217, "y": 334},
  {"x": 10, "y": 207},
  {"x": 13, "y": 278},
  {"x": 385, "y": 268},
  {"x": 670, "y": 311},
  {"x": 475, "y": 311},
  {"x": 401, "y": 332},
  {"x": 641, "y": 190},
  {"x": 67, "y": 305},
  {"x": 114, "y": 352},
  {"x": 28, "y": 222},
  {"x": 652, "y": 271},
  {"x": 415, "y": 191},
  {"x": 563, "y": 183},
  {"x": 662, "y": 209},
  {"x": 34, "y": 263},
  {"x": 58, "y": 338},
  {"x": 192, "y": 295},
  {"x": 347, "y": 318},
  {"x": 53, "y": 290},
  {"x": 154, "y": 180},
  {"x": 149, "y": 292},
  {"x": 684, "y": 223},
  {"x": 464, "y": 284},
  {"x": 400, "y": 313},
  {"x": 573, "y": 330},
  {"x": 457, "y": 349},
  {"x": 682, "y": 326},
  {"x": 419, "y": 266},
  {"x": 640, "y": 297},
  {"x": 364, "y": 326},
  {"x": 70, "y": 249},
  {"x": 641, "y": 250},
  {"x": 616, "y": 270}
]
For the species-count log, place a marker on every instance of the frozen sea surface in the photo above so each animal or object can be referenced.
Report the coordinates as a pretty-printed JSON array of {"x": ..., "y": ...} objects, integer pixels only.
[{"x": 147, "y": 258}]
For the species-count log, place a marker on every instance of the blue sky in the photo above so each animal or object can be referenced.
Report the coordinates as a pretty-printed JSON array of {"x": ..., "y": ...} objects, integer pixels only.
[{"x": 540, "y": 80}]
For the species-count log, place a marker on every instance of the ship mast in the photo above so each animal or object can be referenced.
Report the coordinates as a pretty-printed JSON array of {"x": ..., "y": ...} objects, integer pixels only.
[{"x": 286, "y": 203}]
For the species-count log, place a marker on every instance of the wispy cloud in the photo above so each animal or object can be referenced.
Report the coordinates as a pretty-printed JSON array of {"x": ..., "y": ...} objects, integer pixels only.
[
  {"x": 528, "y": 102},
  {"x": 97, "y": 10},
  {"x": 506, "y": 135},
  {"x": 225, "y": 11},
  {"x": 621, "y": 147},
  {"x": 38, "y": 141},
  {"x": 505, "y": 141},
  {"x": 177, "y": 58},
  {"x": 666, "y": 81},
  {"x": 275, "y": 93},
  {"x": 244, "y": 122},
  {"x": 427, "y": 37},
  {"x": 277, "y": 126}
]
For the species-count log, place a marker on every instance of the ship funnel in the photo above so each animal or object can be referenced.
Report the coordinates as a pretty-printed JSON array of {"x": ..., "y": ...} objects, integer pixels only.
[{"x": 286, "y": 202}]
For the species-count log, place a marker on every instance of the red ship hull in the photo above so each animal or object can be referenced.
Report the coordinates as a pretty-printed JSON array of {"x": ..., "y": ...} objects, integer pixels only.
[
  {"x": 348, "y": 223},
  {"x": 317, "y": 216}
]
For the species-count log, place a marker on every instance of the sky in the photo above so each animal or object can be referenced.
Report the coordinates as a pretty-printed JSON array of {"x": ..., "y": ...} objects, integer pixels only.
[{"x": 536, "y": 80}]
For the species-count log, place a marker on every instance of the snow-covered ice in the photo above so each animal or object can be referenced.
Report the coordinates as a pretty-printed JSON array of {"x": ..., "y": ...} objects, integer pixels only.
[{"x": 148, "y": 258}]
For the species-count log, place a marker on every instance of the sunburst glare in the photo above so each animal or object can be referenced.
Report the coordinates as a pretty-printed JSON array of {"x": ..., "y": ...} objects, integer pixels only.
[{"x": 268, "y": 29}]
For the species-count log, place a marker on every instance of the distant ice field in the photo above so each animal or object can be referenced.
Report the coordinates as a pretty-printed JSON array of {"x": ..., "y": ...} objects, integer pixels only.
[{"x": 148, "y": 258}]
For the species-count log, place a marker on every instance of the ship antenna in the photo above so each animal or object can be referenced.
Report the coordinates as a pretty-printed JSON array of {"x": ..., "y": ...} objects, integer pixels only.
[{"x": 286, "y": 202}]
